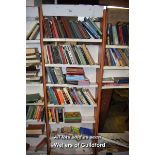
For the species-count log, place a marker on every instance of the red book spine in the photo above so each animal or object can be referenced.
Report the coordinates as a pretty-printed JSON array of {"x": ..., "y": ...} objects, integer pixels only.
[
  {"x": 57, "y": 96},
  {"x": 54, "y": 28},
  {"x": 68, "y": 32},
  {"x": 62, "y": 55},
  {"x": 50, "y": 55},
  {"x": 121, "y": 35}
]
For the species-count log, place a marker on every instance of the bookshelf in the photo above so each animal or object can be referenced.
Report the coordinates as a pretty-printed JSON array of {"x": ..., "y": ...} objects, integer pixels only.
[
  {"x": 113, "y": 15},
  {"x": 89, "y": 113},
  {"x": 33, "y": 88}
]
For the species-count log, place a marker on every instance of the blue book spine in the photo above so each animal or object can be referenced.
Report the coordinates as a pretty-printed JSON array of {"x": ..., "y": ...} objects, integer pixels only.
[
  {"x": 90, "y": 30},
  {"x": 49, "y": 74},
  {"x": 54, "y": 99},
  {"x": 74, "y": 78},
  {"x": 117, "y": 54},
  {"x": 111, "y": 58}
]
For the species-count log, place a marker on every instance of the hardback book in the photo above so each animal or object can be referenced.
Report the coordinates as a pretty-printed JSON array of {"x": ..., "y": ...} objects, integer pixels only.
[
  {"x": 72, "y": 117},
  {"x": 86, "y": 131},
  {"x": 31, "y": 98},
  {"x": 88, "y": 55},
  {"x": 83, "y": 32},
  {"x": 30, "y": 26},
  {"x": 115, "y": 35},
  {"x": 90, "y": 30},
  {"x": 53, "y": 96},
  {"x": 34, "y": 33}
]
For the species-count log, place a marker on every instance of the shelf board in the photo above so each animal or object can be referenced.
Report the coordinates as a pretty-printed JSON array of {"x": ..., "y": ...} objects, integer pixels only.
[
  {"x": 115, "y": 87},
  {"x": 91, "y": 85},
  {"x": 34, "y": 84},
  {"x": 117, "y": 46},
  {"x": 35, "y": 104},
  {"x": 30, "y": 121},
  {"x": 72, "y": 40},
  {"x": 72, "y": 65},
  {"x": 71, "y": 105},
  {"x": 85, "y": 119},
  {"x": 32, "y": 41},
  {"x": 116, "y": 68}
]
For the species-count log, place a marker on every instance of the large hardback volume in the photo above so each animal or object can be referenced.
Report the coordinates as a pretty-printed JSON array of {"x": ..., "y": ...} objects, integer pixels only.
[
  {"x": 47, "y": 28},
  {"x": 72, "y": 117},
  {"x": 66, "y": 27},
  {"x": 83, "y": 32}
]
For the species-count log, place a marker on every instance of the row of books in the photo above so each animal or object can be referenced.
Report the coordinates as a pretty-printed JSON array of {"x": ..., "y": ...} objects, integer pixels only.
[
  {"x": 35, "y": 113},
  {"x": 73, "y": 76},
  {"x": 118, "y": 34},
  {"x": 64, "y": 96},
  {"x": 65, "y": 27},
  {"x": 32, "y": 30},
  {"x": 32, "y": 65},
  {"x": 117, "y": 57},
  {"x": 68, "y": 54},
  {"x": 72, "y": 130},
  {"x": 58, "y": 115}
]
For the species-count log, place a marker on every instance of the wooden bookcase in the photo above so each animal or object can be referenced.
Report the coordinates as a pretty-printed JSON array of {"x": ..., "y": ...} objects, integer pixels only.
[
  {"x": 95, "y": 46},
  {"x": 32, "y": 88},
  {"x": 113, "y": 15}
]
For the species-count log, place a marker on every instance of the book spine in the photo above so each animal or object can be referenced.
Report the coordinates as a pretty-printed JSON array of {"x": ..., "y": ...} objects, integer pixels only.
[
  {"x": 90, "y": 30},
  {"x": 62, "y": 55},
  {"x": 95, "y": 26},
  {"x": 83, "y": 32},
  {"x": 66, "y": 27},
  {"x": 115, "y": 35},
  {"x": 49, "y": 74}
]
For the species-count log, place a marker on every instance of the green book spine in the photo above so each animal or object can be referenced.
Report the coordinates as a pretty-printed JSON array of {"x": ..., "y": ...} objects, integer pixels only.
[{"x": 79, "y": 52}]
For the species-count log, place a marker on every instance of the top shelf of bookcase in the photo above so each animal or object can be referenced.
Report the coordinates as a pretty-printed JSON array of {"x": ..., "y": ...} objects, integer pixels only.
[{"x": 72, "y": 40}]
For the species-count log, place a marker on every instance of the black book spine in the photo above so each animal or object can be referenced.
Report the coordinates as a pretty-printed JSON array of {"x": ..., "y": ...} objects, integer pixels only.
[
  {"x": 77, "y": 57},
  {"x": 55, "y": 80}
]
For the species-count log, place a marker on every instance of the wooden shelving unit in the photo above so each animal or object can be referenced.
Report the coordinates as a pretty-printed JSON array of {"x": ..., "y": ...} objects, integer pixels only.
[{"x": 97, "y": 86}]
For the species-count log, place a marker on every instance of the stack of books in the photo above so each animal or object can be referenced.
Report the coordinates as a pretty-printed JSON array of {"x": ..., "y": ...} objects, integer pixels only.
[
  {"x": 34, "y": 98},
  {"x": 117, "y": 57},
  {"x": 36, "y": 113},
  {"x": 118, "y": 34},
  {"x": 55, "y": 115},
  {"x": 116, "y": 81},
  {"x": 32, "y": 30},
  {"x": 68, "y": 54},
  {"x": 64, "y": 27},
  {"x": 32, "y": 65},
  {"x": 72, "y": 117},
  {"x": 34, "y": 130},
  {"x": 76, "y": 76},
  {"x": 55, "y": 75},
  {"x": 68, "y": 96}
]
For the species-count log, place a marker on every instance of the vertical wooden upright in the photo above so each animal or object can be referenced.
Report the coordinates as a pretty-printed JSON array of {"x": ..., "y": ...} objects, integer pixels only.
[
  {"x": 100, "y": 74},
  {"x": 44, "y": 78}
]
